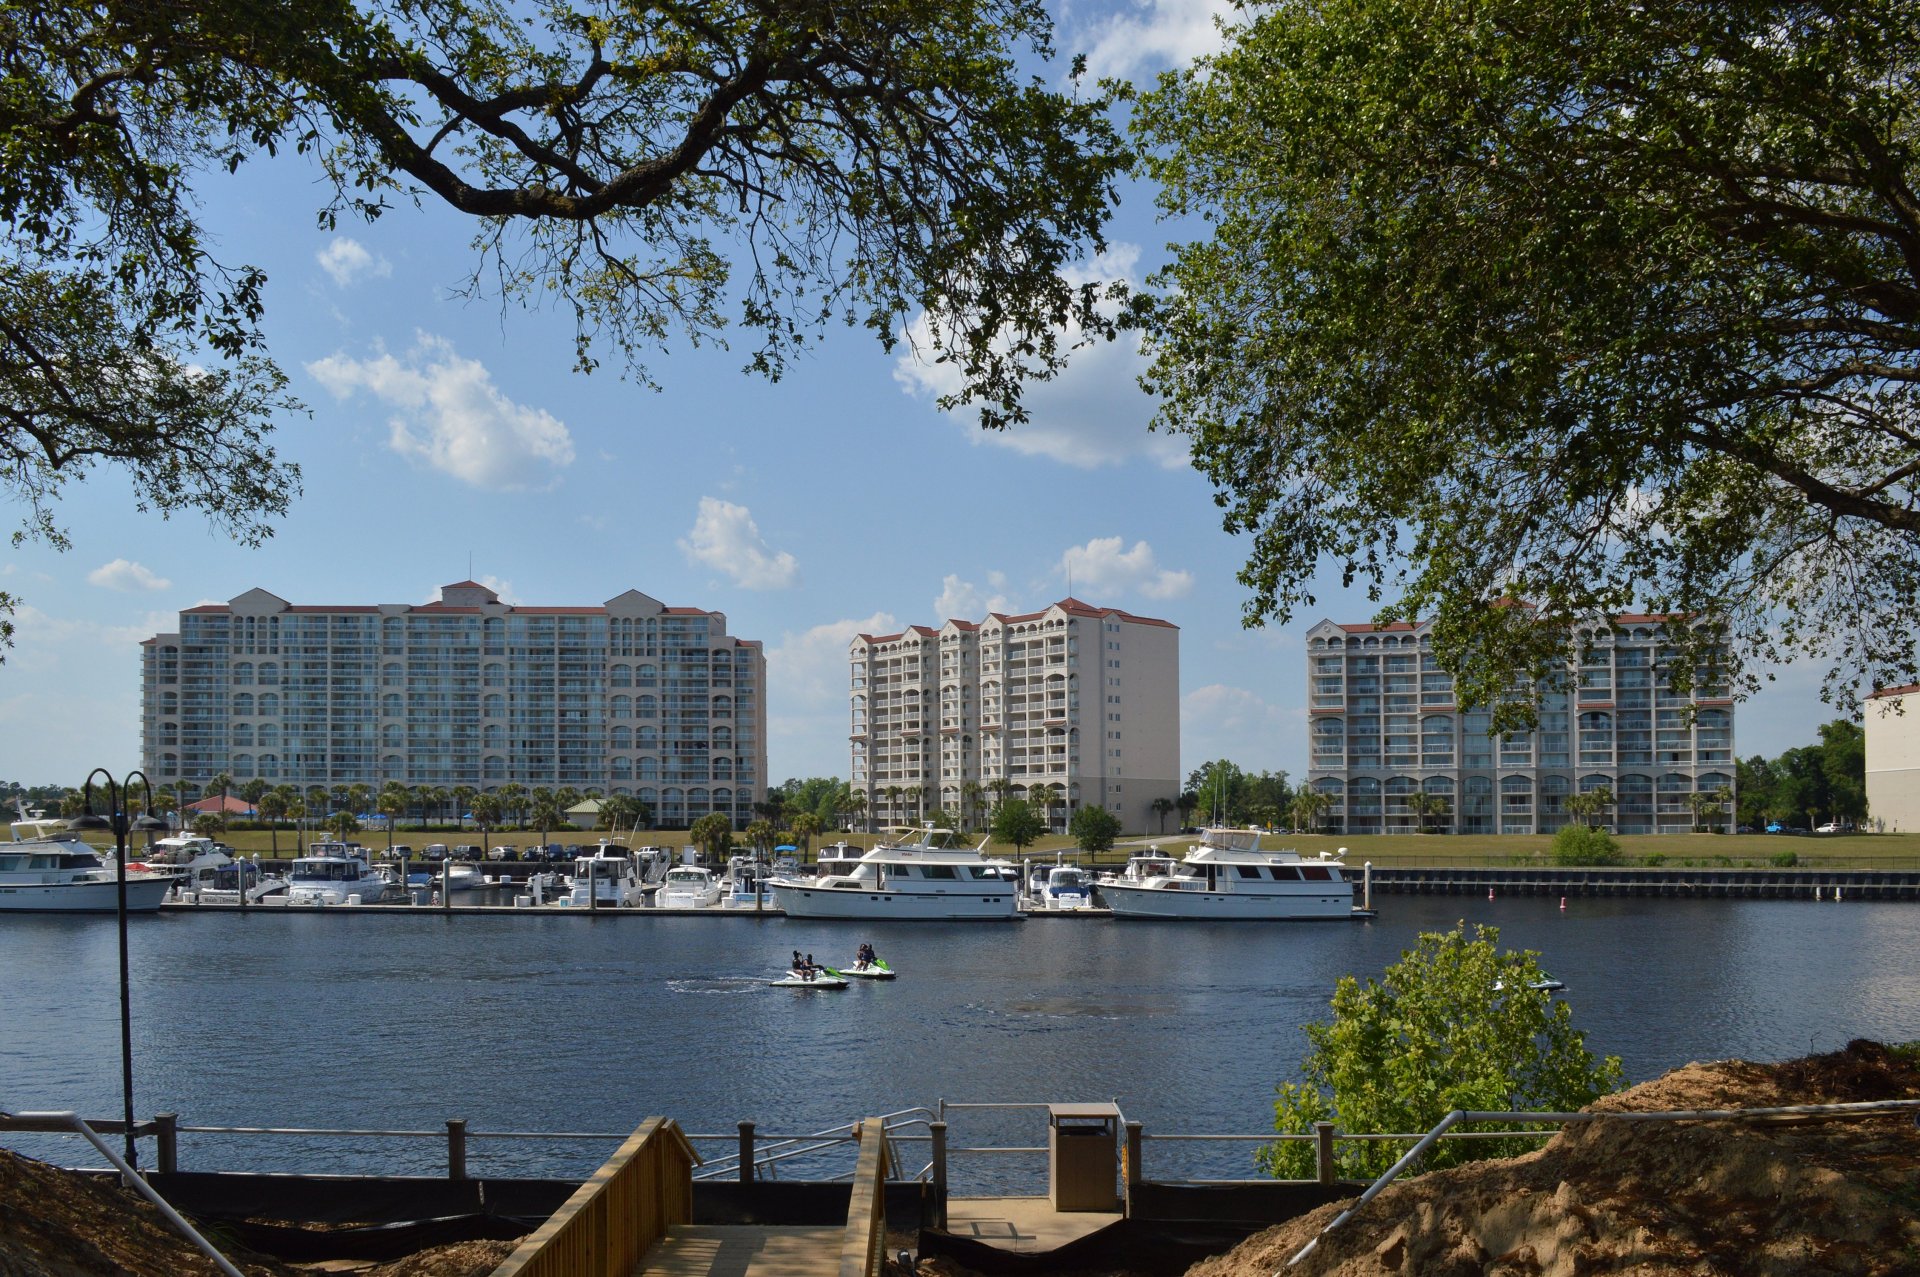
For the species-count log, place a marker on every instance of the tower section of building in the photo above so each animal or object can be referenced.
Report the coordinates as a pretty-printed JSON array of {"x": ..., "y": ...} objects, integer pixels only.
[{"x": 1070, "y": 706}]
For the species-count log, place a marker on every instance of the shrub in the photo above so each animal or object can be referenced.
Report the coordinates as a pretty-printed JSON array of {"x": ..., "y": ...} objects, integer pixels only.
[
  {"x": 1455, "y": 1024},
  {"x": 1655, "y": 860},
  {"x": 1786, "y": 860},
  {"x": 1580, "y": 845}
]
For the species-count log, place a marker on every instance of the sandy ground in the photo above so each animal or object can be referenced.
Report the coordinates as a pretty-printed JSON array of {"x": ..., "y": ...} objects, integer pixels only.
[{"x": 1701, "y": 1199}]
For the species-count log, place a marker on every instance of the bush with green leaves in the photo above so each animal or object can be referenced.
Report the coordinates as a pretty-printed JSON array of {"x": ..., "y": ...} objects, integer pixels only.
[
  {"x": 1455, "y": 1024},
  {"x": 1094, "y": 828},
  {"x": 1581, "y": 845},
  {"x": 1786, "y": 860}
]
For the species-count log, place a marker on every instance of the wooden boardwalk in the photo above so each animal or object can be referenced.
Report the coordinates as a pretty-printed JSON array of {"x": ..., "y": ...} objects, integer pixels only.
[{"x": 738, "y": 1250}]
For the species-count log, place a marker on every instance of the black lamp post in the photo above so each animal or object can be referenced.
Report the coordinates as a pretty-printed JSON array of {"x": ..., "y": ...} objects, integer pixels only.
[{"x": 120, "y": 821}]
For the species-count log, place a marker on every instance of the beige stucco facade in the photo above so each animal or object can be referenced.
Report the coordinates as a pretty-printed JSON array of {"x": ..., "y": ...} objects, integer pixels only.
[
  {"x": 1892, "y": 721},
  {"x": 1082, "y": 698}
]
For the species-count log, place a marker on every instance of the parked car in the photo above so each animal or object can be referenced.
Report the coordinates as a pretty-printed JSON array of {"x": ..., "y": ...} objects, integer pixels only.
[
  {"x": 503, "y": 853},
  {"x": 469, "y": 851},
  {"x": 436, "y": 851},
  {"x": 1775, "y": 827},
  {"x": 399, "y": 851},
  {"x": 1831, "y": 827}
]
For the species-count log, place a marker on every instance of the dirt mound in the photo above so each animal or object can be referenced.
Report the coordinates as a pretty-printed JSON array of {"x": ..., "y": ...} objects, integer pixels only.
[
  {"x": 55, "y": 1223},
  {"x": 1698, "y": 1198}
]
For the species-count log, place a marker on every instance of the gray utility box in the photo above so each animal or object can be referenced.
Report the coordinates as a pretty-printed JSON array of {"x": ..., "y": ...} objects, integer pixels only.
[{"x": 1083, "y": 1157}]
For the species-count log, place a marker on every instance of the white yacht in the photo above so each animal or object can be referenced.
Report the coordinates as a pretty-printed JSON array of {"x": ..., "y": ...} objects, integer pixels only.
[
  {"x": 1227, "y": 875},
  {"x": 46, "y": 869},
  {"x": 607, "y": 879},
  {"x": 913, "y": 873},
  {"x": 335, "y": 873},
  {"x": 1056, "y": 887},
  {"x": 688, "y": 887}
]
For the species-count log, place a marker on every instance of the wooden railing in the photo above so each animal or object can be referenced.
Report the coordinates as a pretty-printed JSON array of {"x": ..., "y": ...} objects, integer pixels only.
[
  {"x": 863, "y": 1247},
  {"x": 606, "y": 1226}
]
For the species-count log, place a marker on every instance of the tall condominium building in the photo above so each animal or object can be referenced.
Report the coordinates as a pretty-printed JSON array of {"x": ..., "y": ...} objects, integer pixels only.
[
  {"x": 1891, "y": 720},
  {"x": 1384, "y": 727},
  {"x": 1079, "y": 698},
  {"x": 630, "y": 697}
]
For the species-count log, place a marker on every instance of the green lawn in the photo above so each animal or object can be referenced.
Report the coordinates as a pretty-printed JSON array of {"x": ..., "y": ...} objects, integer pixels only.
[{"x": 1834, "y": 851}]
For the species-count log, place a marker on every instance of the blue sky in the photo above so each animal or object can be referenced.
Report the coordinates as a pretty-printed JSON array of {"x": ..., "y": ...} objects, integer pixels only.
[{"x": 450, "y": 438}]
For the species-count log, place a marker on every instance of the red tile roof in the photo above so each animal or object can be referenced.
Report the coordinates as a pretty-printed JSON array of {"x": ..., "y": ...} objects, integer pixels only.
[{"x": 1878, "y": 692}]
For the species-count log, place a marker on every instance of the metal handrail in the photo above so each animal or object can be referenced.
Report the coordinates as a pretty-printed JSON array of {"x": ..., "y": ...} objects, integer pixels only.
[
  {"x": 129, "y": 1175},
  {"x": 1786, "y": 1113}
]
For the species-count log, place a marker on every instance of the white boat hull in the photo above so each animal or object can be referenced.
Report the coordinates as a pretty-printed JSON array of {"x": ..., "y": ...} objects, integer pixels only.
[
  {"x": 1331, "y": 900},
  {"x": 800, "y": 900},
  {"x": 144, "y": 895}
]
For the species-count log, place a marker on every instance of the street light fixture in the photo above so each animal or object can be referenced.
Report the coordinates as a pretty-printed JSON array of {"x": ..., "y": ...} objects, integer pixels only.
[{"x": 119, "y": 820}]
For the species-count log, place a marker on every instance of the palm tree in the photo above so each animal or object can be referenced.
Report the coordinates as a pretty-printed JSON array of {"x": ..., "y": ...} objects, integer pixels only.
[
  {"x": 217, "y": 787},
  {"x": 1163, "y": 807},
  {"x": 342, "y": 823},
  {"x": 463, "y": 801},
  {"x": 853, "y": 804},
  {"x": 252, "y": 792},
  {"x": 392, "y": 803},
  {"x": 713, "y": 835},
  {"x": 617, "y": 810},
  {"x": 272, "y": 806},
  {"x": 759, "y": 835},
  {"x": 513, "y": 798},
  {"x": 893, "y": 793},
  {"x": 317, "y": 801},
  {"x": 1186, "y": 802},
  {"x": 359, "y": 798},
  {"x": 546, "y": 813},
  {"x": 805, "y": 826},
  {"x": 970, "y": 792},
  {"x": 486, "y": 814},
  {"x": 1309, "y": 806}
]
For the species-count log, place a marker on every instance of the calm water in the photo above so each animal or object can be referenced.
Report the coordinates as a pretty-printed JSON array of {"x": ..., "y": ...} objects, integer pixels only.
[{"x": 561, "y": 1024}]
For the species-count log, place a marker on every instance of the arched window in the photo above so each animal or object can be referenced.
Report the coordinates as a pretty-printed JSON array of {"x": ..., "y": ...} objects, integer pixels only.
[
  {"x": 722, "y": 739},
  {"x": 393, "y": 736},
  {"x": 269, "y": 737},
  {"x": 242, "y": 735},
  {"x": 493, "y": 705},
  {"x": 243, "y": 674},
  {"x": 622, "y": 767},
  {"x": 493, "y": 736},
  {"x": 269, "y": 705},
  {"x": 268, "y": 768},
  {"x": 1436, "y": 740},
  {"x": 723, "y": 769},
  {"x": 646, "y": 738},
  {"x": 621, "y": 676},
  {"x": 495, "y": 675},
  {"x": 620, "y": 707},
  {"x": 493, "y": 768},
  {"x": 645, "y": 707},
  {"x": 393, "y": 705},
  {"x": 1329, "y": 741},
  {"x": 243, "y": 704},
  {"x": 269, "y": 672},
  {"x": 1516, "y": 805},
  {"x": 620, "y": 737},
  {"x": 393, "y": 674},
  {"x": 242, "y": 766}
]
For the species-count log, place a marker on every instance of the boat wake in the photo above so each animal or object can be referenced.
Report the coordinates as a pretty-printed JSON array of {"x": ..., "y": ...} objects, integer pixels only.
[{"x": 718, "y": 984}]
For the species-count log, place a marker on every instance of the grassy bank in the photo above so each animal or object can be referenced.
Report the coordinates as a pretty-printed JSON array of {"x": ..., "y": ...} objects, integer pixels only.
[{"x": 1816, "y": 851}]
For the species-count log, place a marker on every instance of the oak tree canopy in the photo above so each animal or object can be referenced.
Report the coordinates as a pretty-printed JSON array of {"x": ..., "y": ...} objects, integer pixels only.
[
  {"x": 656, "y": 170},
  {"x": 1607, "y": 308}
]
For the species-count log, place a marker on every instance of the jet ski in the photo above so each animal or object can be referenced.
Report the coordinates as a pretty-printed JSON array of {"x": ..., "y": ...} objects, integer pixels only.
[
  {"x": 825, "y": 978},
  {"x": 875, "y": 970}
]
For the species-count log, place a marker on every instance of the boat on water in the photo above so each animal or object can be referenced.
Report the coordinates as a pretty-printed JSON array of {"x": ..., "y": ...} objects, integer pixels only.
[
  {"x": 910, "y": 874},
  {"x": 825, "y": 978},
  {"x": 688, "y": 887},
  {"x": 206, "y": 872},
  {"x": 606, "y": 879},
  {"x": 47, "y": 869},
  {"x": 1052, "y": 888},
  {"x": 874, "y": 970},
  {"x": 335, "y": 873},
  {"x": 745, "y": 885},
  {"x": 1228, "y": 875}
]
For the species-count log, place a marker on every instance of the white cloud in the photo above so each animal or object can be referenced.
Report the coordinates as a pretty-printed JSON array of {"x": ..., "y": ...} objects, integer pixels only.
[
  {"x": 810, "y": 668},
  {"x": 1152, "y": 35},
  {"x": 348, "y": 261},
  {"x": 1220, "y": 721},
  {"x": 1104, "y": 565},
  {"x": 725, "y": 537},
  {"x": 503, "y": 588},
  {"x": 1092, "y": 414},
  {"x": 126, "y": 576},
  {"x": 965, "y": 601},
  {"x": 453, "y": 417}
]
